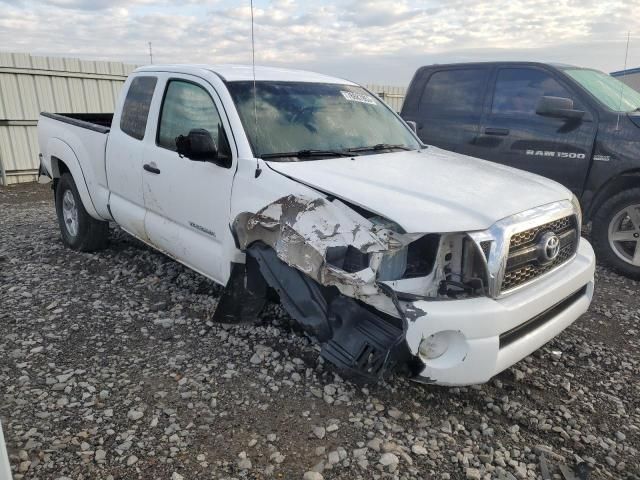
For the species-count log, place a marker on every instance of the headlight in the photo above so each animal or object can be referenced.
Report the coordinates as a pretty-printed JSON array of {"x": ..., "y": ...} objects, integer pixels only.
[
  {"x": 578, "y": 209},
  {"x": 393, "y": 265}
]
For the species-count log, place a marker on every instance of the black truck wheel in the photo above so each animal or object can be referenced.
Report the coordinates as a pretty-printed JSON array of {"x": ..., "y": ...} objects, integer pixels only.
[
  {"x": 80, "y": 231},
  {"x": 616, "y": 233}
]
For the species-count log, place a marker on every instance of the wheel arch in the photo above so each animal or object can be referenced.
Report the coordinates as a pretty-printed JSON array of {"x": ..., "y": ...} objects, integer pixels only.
[
  {"x": 624, "y": 181},
  {"x": 63, "y": 160}
]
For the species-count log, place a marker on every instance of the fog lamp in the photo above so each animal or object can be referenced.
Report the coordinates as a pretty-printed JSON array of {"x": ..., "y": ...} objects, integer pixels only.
[{"x": 434, "y": 346}]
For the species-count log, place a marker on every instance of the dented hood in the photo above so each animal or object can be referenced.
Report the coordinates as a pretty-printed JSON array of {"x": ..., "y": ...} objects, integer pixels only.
[{"x": 431, "y": 190}]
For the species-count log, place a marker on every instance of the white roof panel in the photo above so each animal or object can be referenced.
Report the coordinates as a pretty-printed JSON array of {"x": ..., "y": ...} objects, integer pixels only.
[{"x": 233, "y": 73}]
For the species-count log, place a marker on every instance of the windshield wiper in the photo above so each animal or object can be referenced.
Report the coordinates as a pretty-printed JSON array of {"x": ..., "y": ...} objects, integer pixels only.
[
  {"x": 310, "y": 153},
  {"x": 380, "y": 146}
]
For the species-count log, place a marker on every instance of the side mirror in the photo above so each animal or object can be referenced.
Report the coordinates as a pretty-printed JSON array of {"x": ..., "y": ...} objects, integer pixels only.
[
  {"x": 412, "y": 125},
  {"x": 198, "y": 145},
  {"x": 558, "y": 107}
]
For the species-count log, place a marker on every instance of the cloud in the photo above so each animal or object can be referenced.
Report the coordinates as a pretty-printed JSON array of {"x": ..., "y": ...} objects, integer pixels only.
[
  {"x": 368, "y": 13},
  {"x": 367, "y": 40},
  {"x": 84, "y": 4}
]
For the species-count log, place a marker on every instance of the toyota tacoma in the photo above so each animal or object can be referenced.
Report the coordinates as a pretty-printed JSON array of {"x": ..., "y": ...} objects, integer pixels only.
[{"x": 392, "y": 254}]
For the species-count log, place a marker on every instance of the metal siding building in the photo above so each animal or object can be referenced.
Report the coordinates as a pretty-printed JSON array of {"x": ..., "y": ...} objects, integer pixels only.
[
  {"x": 30, "y": 85},
  {"x": 393, "y": 96},
  {"x": 630, "y": 76}
]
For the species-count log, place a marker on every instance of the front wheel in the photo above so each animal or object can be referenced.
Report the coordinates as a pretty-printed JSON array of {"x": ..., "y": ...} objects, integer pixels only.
[
  {"x": 80, "y": 231},
  {"x": 616, "y": 233}
]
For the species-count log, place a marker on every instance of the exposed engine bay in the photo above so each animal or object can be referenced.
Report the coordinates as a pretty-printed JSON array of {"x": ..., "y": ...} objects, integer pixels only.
[{"x": 344, "y": 274}]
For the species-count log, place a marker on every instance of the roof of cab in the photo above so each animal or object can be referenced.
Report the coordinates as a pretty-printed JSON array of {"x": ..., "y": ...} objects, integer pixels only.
[
  {"x": 234, "y": 73},
  {"x": 500, "y": 63}
]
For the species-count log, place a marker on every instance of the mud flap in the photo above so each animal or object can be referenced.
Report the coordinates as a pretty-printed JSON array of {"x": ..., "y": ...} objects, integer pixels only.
[
  {"x": 244, "y": 296},
  {"x": 44, "y": 176}
]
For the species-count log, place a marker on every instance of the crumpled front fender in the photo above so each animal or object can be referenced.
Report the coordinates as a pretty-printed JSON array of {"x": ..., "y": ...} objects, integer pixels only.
[{"x": 301, "y": 230}]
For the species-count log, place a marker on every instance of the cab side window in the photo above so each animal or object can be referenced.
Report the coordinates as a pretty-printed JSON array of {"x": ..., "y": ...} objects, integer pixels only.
[
  {"x": 518, "y": 90},
  {"x": 186, "y": 107},
  {"x": 458, "y": 91},
  {"x": 135, "y": 110}
]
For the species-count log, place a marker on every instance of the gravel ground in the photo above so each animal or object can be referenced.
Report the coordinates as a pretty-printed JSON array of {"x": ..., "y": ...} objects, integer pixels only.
[{"x": 111, "y": 369}]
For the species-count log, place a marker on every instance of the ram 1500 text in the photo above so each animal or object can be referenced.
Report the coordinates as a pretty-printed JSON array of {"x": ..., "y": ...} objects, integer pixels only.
[{"x": 389, "y": 252}]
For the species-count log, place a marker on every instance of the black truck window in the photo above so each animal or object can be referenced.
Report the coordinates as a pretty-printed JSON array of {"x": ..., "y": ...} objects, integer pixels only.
[
  {"x": 518, "y": 90},
  {"x": 453, "y": 91},
  {"x": 135, "y": 111}
]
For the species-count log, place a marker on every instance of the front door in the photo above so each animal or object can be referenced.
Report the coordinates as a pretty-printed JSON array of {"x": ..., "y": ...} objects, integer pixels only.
[
  {"x": 188, "y": 201},
  {"x": 514, "y": 134}
]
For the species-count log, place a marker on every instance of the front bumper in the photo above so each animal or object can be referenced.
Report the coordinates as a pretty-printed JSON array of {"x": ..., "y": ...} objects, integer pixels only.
[{"x": 484, "y": 333}]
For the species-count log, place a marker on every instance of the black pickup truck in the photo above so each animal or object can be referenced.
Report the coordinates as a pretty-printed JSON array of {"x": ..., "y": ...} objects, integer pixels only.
[{"x": 578, "y": 126}]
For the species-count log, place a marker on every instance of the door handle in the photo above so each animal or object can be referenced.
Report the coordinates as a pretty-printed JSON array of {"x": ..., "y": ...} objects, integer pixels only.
[
  {"x": 496, "y": 131},
  {"x": 151, "y": 168}
]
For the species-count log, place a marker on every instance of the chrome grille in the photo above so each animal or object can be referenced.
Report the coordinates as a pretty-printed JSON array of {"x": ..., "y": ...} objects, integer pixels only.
[
  {"x": 529, "y": 236},
  {"x": 522, "y": 275},
  {"x": 523, "y": 264}
]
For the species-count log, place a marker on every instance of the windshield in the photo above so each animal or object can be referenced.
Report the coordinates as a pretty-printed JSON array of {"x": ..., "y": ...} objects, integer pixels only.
[
  {"x": 316, "y": 118},
  {"x": 608, "y": 90}
]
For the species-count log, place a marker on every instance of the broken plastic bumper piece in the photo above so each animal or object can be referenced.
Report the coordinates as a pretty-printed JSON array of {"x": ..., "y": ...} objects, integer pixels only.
[{"x": 359, "y": 341}]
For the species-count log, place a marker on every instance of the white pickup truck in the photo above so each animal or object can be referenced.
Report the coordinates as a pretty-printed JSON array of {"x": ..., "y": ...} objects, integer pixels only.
[{"x": 391, "y": 253}]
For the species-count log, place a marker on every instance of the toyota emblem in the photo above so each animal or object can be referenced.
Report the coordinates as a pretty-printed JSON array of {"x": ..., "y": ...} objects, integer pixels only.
[{"x": 548, "y": 247}]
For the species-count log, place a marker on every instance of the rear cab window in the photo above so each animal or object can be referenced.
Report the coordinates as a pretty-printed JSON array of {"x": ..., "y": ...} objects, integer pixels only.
[
  {"x": 457, "y": 91},
  {"x": 135, "y": 111},
  {"x": 451, "y": 106}
]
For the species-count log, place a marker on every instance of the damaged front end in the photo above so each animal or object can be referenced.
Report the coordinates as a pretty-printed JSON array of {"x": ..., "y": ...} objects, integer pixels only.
[{"x": 348, "y": 277}]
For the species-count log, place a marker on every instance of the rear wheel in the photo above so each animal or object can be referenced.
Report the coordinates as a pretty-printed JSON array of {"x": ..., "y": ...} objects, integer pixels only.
[
  {"x": 80, "y": 231},
  {"x": 616, "y": 233}
]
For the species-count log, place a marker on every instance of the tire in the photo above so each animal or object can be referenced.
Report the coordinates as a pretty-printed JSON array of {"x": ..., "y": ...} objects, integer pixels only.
[
  {"x": 616, "y": 233},
  {"x": 80, "y": 231}
]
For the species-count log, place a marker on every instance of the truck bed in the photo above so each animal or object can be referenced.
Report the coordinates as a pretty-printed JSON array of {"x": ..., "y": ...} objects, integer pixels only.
[
  {"x": 79, "y": 140},
  {"x": 98, "y": 122}
]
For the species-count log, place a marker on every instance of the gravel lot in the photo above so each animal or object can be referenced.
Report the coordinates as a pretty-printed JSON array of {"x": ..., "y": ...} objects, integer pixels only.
[{"x": 111, "y": 369}]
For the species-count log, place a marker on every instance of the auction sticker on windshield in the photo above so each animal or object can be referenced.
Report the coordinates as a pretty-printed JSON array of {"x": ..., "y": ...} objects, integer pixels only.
[{"x": 358, "y": 97}]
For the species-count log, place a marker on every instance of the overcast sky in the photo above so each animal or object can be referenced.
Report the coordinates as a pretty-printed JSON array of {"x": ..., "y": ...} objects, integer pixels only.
[{"x": 368, "y": 41}]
